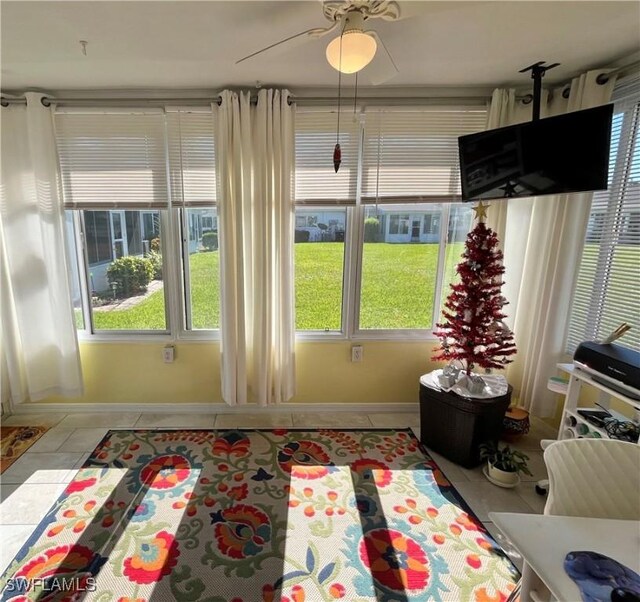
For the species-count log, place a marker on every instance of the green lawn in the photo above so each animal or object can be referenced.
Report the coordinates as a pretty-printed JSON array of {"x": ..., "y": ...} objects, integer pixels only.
[
  {"x": 318, "y": 285},
  {"x": 398, "y": 284},
  {"x": 205, "y": 291},
  {"x": 147, "y": 315},
  {"x": 150, "y": 313}
]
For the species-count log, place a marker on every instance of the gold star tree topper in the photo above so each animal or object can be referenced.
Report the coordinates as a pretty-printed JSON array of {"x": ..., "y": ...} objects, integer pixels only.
[{"x": 481, "y": 211}]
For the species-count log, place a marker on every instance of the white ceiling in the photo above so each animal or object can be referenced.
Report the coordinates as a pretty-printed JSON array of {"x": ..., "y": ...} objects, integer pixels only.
[{"x": 182, "y": 44}]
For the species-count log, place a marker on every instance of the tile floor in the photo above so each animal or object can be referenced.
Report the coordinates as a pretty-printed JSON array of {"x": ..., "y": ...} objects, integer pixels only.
[{"x": 30, "y": 486}]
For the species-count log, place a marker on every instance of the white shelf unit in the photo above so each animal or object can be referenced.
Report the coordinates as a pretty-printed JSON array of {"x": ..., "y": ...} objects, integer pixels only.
[{"x": 573, "y": 425}]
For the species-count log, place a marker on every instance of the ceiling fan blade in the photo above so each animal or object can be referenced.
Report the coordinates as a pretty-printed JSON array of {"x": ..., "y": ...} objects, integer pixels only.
[
  {"x": 292, "y": 41},
  {"x": 382, "y": 68},
  {"x": 387, "y": 10}
]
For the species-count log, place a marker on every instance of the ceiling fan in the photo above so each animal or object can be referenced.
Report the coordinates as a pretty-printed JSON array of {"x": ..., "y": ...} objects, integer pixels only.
[{"x": 355, "y": 47}]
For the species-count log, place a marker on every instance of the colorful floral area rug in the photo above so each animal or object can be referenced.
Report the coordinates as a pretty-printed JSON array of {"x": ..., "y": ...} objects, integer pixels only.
[
  {"x": 15, "y": 440},
  {"x": 260, "y": 516}
]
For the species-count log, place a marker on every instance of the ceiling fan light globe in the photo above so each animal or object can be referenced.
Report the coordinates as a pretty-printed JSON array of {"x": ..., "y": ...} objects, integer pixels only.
[{"x": 358, "y": 50}]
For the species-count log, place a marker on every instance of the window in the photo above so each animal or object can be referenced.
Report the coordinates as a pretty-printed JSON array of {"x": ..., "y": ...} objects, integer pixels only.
[
  {"x": 322, "y": 197},
  {"x": 410, "y": 183},
  {"x": 607, "y": 291},
  {"x": 203, "y": 269},
  {"x": 408, "y": 231},
  {"x": 411, "y": 155},
  {"x": 128, "y": 179},
  {"x": 316, "y": 182},
  {"x": 192, "y": 160},
  {"x": 399, "y": 224},
  {"x": 74, "y": 271},
  {"x": 319, "y": 266},
  {"x": 375, "y": 243},
  {"x": 127, "y": 295},
  {"x": 400, "y": 268},
  {"x": 460, "y": 222},
  {"x": 431, "y": 224},
  {"x": 150, "y": 225},
  {"x": 98, "y": 237}
]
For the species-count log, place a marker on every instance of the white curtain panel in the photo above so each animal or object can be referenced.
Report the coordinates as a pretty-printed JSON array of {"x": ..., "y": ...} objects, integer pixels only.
[
  {"x": 255, "y": 163},
  {"x": 542, "y": 241},
  {"x": 39, "y": 343}
]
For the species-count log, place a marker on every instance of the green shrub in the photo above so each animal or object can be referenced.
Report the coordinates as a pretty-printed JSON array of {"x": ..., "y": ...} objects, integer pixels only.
[
  {"x": 372, "y": 229},
  {"x": 301, "y": 236},
  {"x": 210, "y": 241},
  {"x": 155, "y": 244},
  {"x": 131, "y": 275},
  {"x": 156, "y": 261}
]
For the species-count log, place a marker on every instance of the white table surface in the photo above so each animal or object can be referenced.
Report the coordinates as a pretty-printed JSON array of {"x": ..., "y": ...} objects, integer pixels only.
[{"x": 544, "y": 541}]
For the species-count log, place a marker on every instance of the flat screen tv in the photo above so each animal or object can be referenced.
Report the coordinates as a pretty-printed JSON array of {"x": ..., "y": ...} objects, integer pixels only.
[{"x": 563, "y": 154}]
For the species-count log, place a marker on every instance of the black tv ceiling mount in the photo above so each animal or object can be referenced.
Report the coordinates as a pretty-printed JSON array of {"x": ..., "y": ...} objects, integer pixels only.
[
  {"x": 537, "y": 73},
  {"x": 562, "y": 154}
]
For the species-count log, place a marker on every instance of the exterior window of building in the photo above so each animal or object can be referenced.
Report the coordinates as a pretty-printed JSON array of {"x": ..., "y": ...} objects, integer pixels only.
[
  {"x": 606, "y": 292},
  {"x": 319, "y": 267},
  {"x": 126, "y": 286},
  {"x": 387, "y": 274},
  {"x": 119, "y": 171},
  {"x": 203, "y": 259}
]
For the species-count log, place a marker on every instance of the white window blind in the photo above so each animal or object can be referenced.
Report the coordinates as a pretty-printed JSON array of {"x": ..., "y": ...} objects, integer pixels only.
[
  {"x": 607, "y": 291},
  {"x": 411, "y": 155},
  {"x": 192, "y": 158},
  {"x": 316, "y": 182},
  {"x": 112, "y": 159}
]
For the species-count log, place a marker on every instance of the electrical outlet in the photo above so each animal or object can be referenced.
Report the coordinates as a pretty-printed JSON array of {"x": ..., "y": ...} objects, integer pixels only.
[
  {"x": 356, "y": 353},
  {"x": 168, "y": 354}
]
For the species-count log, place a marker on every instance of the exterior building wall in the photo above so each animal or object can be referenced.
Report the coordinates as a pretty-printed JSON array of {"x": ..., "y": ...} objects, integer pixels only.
[
  {"x": 98, "y": 282},
  {"x": 398, "y": 224}
]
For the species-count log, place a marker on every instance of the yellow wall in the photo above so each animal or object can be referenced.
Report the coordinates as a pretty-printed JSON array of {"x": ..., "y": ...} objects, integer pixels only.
[
  {"x": 389, "y": 373},
  {"x": 135, "y": 373}
]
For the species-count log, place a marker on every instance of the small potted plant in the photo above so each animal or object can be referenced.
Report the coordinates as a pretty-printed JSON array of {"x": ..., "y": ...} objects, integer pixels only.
[{"x": 504, "y": 464}]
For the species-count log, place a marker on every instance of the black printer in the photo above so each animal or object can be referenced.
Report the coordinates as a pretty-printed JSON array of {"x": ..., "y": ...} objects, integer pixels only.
[{"x": 612, "y": 365}]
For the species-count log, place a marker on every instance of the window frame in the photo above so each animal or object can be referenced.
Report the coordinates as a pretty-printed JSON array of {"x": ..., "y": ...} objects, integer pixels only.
[
  {"x": 182, "y": 268},
  {"x": 352, "y": 284},
  {"x": 605, "y": 224},
  {"x": 175, "y": 291},
  {"x": 630, "y": 126},
  {"x": 342, "y": 333},
  {"x": 405, "y": 334},
  {"x": 89, "y": 332},
  {"x": 176, "y": 278},
  {"x": 175, "y": 267},
  {"x": 352, "y": 272}
]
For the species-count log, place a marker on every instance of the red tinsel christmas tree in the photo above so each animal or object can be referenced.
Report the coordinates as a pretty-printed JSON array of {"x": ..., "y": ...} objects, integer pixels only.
[{"x": 473, "y": 331}]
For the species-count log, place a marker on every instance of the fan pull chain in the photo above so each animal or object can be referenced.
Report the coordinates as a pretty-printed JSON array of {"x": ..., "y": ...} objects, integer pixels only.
[
  {"x": 378, "y": 162},
  {"x": 355, "y": 97},
  {"x": 337, "y": 151}
]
